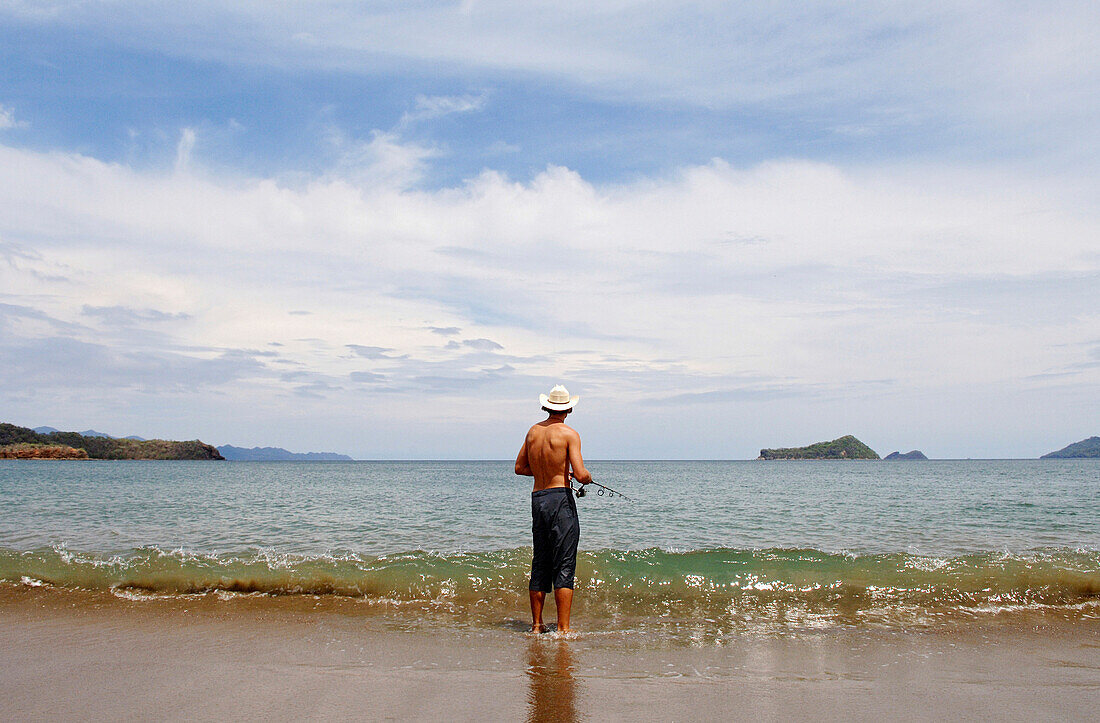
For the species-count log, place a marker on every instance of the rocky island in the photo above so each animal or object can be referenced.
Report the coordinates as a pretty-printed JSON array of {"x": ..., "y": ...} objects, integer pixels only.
[
  {"x": 1085, "y": 449},
  {"x": 23, "y": 443},
  {"x": 915, "y": 454},
  {"x": 846, "y": 447}
]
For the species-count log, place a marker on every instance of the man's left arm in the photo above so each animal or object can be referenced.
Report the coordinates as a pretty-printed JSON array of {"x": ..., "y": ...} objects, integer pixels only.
[{"x": 576, "y": 461}]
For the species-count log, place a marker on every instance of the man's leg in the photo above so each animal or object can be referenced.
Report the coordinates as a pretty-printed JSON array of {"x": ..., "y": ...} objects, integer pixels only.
[
  {"x": 537, "y": 598},
  {"x": 565, "y": 560},
  {"x": 563, "y": 596}
]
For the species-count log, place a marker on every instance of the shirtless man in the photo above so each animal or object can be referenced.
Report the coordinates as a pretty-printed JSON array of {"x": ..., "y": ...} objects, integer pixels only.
[{"x": 549, "y": 450}]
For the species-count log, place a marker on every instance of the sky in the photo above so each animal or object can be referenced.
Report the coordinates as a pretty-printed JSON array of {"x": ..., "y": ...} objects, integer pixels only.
[{"x": 383, "y": 228}]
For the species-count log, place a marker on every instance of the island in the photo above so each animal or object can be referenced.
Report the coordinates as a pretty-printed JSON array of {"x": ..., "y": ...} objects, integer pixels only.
[
  {"x": 915, "y": 454},
  {"x": 23, "y": 443},
  {"x": 846, "y": 447},
  {"x": 277, "y": 454},
  {"x": 1085, "y": 449}
]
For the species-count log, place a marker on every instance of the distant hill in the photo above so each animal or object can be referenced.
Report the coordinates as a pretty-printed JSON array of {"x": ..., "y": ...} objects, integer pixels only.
[
  {"x": 915, "y": 454},
  {"x": 846, "y": 447},
  {"x": 100, "y": 447},
  {"x": 277, "y": 454},
  {"x": 88, "y": 433},
  {"x": 1085, "y": 449},
  {"x": 93, "y": 433}
]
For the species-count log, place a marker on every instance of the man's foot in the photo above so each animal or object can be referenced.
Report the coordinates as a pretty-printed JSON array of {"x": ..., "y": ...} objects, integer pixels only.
[{"x": 538, "y": 628}]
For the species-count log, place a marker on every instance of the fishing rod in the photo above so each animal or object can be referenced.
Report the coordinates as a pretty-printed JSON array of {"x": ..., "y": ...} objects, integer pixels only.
[{"x": 580, "y": 491}]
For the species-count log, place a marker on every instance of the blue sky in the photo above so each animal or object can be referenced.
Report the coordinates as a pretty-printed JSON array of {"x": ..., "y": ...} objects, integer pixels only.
[{"x": 383, "y": 228}]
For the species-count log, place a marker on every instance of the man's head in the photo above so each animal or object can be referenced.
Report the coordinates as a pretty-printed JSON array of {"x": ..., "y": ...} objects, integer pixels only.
[{"x": 558, "y": 401}]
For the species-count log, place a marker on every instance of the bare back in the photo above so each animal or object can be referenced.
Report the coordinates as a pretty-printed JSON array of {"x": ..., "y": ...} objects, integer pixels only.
[{"x": 549, "y": 450}]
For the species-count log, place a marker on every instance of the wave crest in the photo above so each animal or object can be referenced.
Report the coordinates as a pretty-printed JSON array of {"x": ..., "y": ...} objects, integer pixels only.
[{"x": 777, "y": 584}]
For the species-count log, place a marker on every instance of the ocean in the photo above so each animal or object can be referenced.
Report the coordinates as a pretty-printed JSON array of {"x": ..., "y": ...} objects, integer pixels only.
[{"x": 702, "y": 551}]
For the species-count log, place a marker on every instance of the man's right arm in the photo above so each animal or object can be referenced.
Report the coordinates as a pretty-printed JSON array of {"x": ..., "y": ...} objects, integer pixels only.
[
  {"x": 576, "y": 461},
  {"x": 523, "y": 467}
]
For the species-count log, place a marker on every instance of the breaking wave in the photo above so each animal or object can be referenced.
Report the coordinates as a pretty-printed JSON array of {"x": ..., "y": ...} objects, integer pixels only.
[{"x": 716, "y": 585}]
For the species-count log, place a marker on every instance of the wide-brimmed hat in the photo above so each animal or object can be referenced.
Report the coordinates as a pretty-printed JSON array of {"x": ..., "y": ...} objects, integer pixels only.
[{"x": 558, "y": 399}]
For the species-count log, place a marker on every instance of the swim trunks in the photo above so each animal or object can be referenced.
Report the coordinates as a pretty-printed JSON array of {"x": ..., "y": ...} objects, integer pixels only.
[{"x": 556, "y": 531}]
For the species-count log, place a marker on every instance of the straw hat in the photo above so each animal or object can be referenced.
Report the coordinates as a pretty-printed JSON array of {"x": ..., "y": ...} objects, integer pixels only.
[{"x": 558, "y": 399}]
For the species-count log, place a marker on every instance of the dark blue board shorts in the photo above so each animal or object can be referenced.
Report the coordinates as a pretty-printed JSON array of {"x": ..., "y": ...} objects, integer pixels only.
[{"x": 556, "y": 531}]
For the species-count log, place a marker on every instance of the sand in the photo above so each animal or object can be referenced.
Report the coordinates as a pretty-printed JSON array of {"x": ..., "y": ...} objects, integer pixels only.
[{"x": 66, "y": 655}]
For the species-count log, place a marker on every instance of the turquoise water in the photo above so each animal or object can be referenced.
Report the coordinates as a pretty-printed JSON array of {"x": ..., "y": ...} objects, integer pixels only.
[
  {"x": 728, "y": 541},
  {"x": 934, "y": 508}
]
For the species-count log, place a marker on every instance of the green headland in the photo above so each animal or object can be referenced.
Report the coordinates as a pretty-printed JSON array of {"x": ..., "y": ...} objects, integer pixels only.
[
  {"x": 23, "y": 443},
  {"x": 846, "y": 447},
  {"x": 1085, "y": 449}
]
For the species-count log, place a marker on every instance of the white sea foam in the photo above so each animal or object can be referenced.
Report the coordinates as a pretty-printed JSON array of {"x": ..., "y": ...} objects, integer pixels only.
[
  {"x": 133, "y": 595},
  {"x": 927, "y": 564}
]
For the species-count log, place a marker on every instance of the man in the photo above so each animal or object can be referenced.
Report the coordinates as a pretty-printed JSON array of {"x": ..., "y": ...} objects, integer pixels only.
[{"x": 549, "y": 450}]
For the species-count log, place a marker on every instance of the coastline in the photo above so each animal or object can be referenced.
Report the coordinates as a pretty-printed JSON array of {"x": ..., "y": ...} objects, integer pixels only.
[{"x": 68, "y": 653}]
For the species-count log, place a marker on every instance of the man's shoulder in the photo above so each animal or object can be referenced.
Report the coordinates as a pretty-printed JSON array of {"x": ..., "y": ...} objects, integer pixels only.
[
  {"x": 567, "y": 431},
  {"x": 556, "y": 430}
]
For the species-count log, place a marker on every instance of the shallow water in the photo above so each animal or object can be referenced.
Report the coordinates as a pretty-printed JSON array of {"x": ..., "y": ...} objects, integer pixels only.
[{"x": 738, "y": 544}]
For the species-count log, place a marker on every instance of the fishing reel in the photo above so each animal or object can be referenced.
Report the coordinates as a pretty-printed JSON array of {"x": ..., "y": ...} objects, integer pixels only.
[{"x": 579, "y": 490}]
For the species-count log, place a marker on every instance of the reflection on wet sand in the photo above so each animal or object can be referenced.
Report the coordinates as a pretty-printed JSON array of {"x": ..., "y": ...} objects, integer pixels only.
[{"x": 552, "y": 695}]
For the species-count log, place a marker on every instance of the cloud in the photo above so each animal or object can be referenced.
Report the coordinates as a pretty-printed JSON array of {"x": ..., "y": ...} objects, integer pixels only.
[
  {"x": 316, "y": 390},
  {"x": 122, "y": 315},
  {"x": 366, "y": 377},
  {"x": 384, "y": 161},
  {"x": 20, "y": 320},
  {"x": 479, "y": 344},
  {"x": 184, "y": 149},
  {"x": 788, "y": 282},
  {"x": 772, "y": 390},
  {"x": 51, "y": 363},
  {"x": 8, "y": 121},
  {"x": 428, "y": 107},
  {"x": 464, "y": 382},
  {"x": 369, "y": 352}
]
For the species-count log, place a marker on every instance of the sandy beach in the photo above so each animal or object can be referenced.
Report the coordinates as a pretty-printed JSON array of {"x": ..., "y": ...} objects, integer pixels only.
[{"x": 67, "y": 654}]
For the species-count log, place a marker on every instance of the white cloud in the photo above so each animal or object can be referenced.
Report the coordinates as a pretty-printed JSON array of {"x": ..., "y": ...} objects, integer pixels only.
[
  {"x": 717, "y": 285},
  {"x": 184, "y": 149},
  {"x": 436, "y": 106},
  {"x": 385, "y": 161},
  {"x": 7, "y": 119}
]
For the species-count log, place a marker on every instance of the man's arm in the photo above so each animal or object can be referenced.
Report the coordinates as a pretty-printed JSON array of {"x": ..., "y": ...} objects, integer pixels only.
[
  {"x": 576, "y": 461},
  {"x": 523, "y": 467}
]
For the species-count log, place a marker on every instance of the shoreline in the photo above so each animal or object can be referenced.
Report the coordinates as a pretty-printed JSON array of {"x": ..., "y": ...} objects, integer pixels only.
[{"x": 69, "y": 653}]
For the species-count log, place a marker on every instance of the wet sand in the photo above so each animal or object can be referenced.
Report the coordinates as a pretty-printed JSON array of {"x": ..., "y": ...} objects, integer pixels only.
[{"x": 66, "y": 655}]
